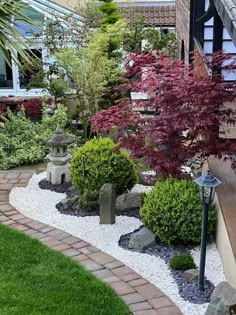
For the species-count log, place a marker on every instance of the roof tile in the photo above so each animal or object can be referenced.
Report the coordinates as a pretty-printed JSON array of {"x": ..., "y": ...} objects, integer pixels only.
[{"x": 153, "y": 15}]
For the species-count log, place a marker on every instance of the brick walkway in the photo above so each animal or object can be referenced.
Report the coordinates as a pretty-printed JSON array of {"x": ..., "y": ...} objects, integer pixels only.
[{"x": 142, "y": 297}]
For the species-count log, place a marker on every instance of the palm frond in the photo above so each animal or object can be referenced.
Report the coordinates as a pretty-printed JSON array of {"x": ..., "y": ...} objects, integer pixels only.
[{"x": 10, "y": 39}]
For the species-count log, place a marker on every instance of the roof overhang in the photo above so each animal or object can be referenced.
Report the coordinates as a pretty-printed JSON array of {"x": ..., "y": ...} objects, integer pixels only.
[{"x": 227, "y": 12}]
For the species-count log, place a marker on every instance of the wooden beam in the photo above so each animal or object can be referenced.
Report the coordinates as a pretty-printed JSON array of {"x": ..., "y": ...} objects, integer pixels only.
[{"x": 227, "y": 12}]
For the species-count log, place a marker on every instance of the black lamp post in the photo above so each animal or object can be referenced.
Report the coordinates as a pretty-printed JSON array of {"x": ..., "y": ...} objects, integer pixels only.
[{"x": 208, "y": 183}]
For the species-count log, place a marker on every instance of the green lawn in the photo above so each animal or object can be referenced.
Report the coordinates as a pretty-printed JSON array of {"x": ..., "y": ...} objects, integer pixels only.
[{"x": 35, "y": 280}]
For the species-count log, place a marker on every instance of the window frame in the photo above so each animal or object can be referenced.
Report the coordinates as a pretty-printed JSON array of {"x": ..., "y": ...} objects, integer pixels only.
[
  {"x": 16, "y": 75},
  {"x": 16, "y": 89}
]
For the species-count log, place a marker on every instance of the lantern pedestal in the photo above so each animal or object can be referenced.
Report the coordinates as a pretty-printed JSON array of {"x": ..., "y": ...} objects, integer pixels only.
[{"x": 58, "y": 174}]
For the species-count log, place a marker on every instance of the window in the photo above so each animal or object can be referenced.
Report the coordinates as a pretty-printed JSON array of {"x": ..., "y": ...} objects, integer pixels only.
[
  {"x": 182, "y": 52},
  {"x": 22, "y": 78},
  {"x": 6, "y": 75},
  {"x": 31, "y": 74},
  {"x": 28, "y": 30}
]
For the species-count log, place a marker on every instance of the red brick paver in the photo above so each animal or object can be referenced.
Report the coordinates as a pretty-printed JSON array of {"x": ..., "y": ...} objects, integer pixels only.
[{"x": 142, "y": 297}]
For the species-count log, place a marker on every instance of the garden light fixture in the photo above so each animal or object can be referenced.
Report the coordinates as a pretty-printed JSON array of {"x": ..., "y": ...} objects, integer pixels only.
[{"x": 208, "y": 183}]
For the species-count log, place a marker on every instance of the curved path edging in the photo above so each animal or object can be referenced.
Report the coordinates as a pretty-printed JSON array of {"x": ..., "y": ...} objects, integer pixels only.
[{"x": 142, "y": 297}]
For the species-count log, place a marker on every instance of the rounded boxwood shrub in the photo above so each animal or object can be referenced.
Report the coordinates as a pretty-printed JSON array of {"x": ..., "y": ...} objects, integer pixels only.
[
  {"x": 182, "y": 262},
  {"x": 96, "y": 163},
  {"x": 173, "y": 212}
]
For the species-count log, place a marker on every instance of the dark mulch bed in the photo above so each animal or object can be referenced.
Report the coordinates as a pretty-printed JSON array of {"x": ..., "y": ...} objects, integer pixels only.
[
  {"x": 63, "y": 188},
  {"x": 70, "y": 191},
  {"x": 188, "y": 291},
  {"x": 134, "y": 212}
]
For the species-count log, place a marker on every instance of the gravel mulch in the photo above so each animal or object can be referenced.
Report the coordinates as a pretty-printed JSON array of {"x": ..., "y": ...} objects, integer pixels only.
[{"x": 188, "y": 291}]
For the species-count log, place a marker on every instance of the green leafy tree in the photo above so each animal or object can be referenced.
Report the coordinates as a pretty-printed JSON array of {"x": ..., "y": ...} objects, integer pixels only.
[
  {"x": 61, "y": 32},
  {"x": 110, "y": 12},
  {"x": 89, "y": 71},
  {"x": 90, "y": 13},
  {"x": 111, "y": 16},
  {"x": 160, "y": 42},
  {"x": 134, "y": 35},
  {"x": 139, "y": 38},
  {"x": 68, "y": 30}
]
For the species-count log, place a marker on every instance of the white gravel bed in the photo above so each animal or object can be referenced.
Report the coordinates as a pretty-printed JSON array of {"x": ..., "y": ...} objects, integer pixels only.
[{"x": 39, "y": 205}]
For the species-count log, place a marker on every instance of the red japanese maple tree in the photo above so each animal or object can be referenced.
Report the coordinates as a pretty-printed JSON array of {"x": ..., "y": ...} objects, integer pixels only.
[{"x": 184, "y": 113}]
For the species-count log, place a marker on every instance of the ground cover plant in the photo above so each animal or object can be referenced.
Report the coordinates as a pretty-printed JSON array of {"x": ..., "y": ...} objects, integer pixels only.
[
  {"x": 173, "y": 212},
  {"x": 182, "y": 262},
  {"x": 37, "y": 280}
]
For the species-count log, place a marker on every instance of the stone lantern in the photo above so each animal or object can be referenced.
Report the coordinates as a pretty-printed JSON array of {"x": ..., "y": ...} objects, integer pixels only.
[{"x": 58, "y": 167}]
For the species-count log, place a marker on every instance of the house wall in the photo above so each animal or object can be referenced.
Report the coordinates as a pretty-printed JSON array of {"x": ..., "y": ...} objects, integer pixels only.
[
  {"x": 225, "y": 200},
  {"x": 225, "y": 250},
  {"x": 183, "y": 28},
  {"x": 224, "y": 247},
  {"x": 69, "y": 4}
]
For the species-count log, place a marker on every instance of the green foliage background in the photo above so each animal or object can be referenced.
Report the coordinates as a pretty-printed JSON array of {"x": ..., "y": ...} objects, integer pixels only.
[{"x": 22, "y": 141}]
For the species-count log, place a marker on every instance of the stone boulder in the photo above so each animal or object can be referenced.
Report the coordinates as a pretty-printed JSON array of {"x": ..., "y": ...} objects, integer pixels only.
[
  {"x": 142, "y": 239},
  {"x": 138, "y": 188},
  {"x": 191, "y": 275},
  {"x": 70, "y": 202},
  {"x": 223, "y": 300},
  {"x": 128, "y": 201}
]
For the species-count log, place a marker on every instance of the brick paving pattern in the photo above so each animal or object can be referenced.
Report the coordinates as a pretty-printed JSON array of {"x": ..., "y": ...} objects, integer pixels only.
[{"x": 142, "y": 297}]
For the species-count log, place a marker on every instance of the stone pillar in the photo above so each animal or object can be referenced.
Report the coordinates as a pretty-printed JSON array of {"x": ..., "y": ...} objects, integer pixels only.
[{"x": 107, "y": 202}]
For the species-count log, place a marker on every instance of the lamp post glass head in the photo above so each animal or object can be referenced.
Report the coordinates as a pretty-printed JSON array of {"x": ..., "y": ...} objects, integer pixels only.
[{"x": 208, "y": 183}]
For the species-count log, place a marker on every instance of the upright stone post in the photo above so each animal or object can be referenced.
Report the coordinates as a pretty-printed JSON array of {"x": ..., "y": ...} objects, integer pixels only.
[{"x": 107, "y": 202}]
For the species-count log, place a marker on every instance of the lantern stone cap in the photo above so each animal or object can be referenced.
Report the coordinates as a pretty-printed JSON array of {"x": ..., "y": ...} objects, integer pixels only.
[
  {"x": 59, "y": 138},
  {"x": 208, "y": 180}
]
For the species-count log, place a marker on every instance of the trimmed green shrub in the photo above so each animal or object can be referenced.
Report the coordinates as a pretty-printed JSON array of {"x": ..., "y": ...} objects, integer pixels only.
[
  {"x": 173, "y": 212},
  {"x": 96, "y": 163},
  {"x": 182, "y": 262},
  {"x": 89, "y": 200},
  {"x": 19, "y": 141},
  {"x": 143, "y": 195}
]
